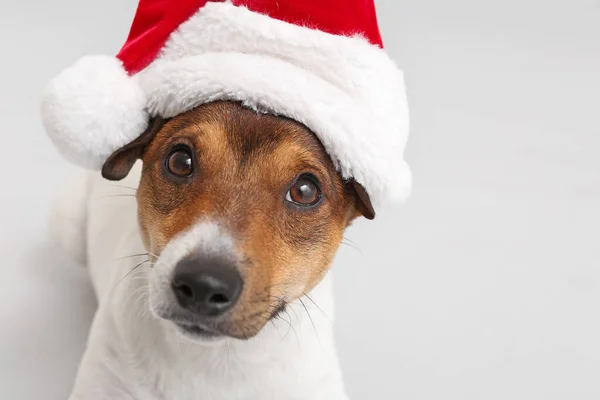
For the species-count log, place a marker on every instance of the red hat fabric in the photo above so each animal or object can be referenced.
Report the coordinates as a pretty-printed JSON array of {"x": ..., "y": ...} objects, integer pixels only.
[
  {"x": 156, "y": 20},
  {"x": 320, "y": 62}
]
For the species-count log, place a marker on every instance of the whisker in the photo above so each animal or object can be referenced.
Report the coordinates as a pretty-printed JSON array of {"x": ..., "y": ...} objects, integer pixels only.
[
  {"x": 228, "y": 351},
  {"x": 292, "y": 328},
  {"x": 118, "y": 195},
  {"x": 316, "y": 305},
  {"x": 140, "y": 278},
  {"x": 132, "y": 255},
  {"x": 291, "y": 307},
  {"x": 349, "y": 241},
  {"x": 125, "y": 187},
  {"x": 353, "y": 246},
  {"x": 310, "y": 317},
  {"x": 128, "y": 273},
  {"x": 272, "y": 321}
]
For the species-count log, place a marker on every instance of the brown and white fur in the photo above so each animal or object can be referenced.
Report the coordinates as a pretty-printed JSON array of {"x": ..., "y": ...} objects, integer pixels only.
[{"x": 276, "y": 341}]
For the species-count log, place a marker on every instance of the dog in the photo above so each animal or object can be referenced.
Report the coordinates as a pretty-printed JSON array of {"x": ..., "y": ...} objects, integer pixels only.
[{"x": 211, "y": 263}]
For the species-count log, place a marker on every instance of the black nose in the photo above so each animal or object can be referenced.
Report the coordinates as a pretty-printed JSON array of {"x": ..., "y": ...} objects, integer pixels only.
[{"x": 208, "y": 287}]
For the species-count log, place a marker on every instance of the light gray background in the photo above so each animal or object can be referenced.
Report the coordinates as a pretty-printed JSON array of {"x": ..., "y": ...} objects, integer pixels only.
[{"x": 485, "y": 285}]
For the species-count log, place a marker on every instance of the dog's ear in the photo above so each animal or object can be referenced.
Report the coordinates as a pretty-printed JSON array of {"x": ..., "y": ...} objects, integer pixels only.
[
  {"x": 363, "y": 202},
  {"x": 118, "y": 165}
]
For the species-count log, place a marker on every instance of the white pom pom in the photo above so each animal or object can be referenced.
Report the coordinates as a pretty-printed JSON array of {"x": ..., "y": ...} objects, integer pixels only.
[{"x": 92, "y": 109}]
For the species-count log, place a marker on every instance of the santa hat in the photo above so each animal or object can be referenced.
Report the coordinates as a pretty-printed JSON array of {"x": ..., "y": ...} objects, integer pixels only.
[{"x": 319, "y": 62}]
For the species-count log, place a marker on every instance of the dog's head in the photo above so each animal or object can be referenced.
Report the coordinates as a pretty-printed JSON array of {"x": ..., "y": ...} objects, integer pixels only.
[{"x": 245, "y": 212}]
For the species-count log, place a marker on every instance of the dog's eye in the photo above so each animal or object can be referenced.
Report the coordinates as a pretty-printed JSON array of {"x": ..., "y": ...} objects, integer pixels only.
[
  {"x": 305, "y": 191},
  {"x": 180, "y": 162}
]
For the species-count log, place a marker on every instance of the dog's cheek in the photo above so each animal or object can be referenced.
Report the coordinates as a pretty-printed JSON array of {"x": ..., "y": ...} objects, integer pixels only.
[
  {"x": 324, "y": 240},
  {"x": 265, "y": 257},
  {"x": 149, "y": 220},
  {"x": 305, "y": 245},
  {"x": 145, "y": 217},
  {"x": 161, "y": 211}
]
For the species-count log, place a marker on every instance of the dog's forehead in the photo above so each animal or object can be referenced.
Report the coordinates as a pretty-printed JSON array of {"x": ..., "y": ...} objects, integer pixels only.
[{"x": 246, "y": 134}]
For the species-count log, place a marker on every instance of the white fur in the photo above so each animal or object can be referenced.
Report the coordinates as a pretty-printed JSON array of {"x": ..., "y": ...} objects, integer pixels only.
[
  {"x": 92, "y": 108},
  {"x": 349, "y": 92},
  {"x": 132, "y": 355}
]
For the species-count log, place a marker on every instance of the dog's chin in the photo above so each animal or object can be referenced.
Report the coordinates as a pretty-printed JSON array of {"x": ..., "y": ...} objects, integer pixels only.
[
  {"x": 198, "y": 334},
  {"x": 185, "y": 329},
  {"x": 198, "y": 331},
  {"x": 201, "y": 334}
]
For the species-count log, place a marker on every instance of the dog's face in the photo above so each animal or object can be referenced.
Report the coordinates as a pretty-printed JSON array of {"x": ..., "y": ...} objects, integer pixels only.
[{"x": 245, "y": 212}]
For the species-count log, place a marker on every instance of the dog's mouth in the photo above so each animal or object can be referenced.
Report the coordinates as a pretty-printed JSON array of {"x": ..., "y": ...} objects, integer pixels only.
[
  {"x": 210, "y": 329},
  {"x": 196, "y": 331}
]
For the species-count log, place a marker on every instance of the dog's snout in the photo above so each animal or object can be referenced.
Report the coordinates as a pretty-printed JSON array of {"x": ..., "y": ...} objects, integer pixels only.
[{"x": 207, "y": 287}]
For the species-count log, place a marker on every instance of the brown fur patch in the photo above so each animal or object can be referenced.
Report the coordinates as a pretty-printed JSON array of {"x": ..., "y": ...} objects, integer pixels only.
[{"x": 244, "y": 165}]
